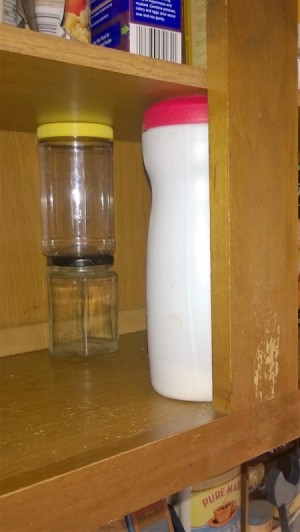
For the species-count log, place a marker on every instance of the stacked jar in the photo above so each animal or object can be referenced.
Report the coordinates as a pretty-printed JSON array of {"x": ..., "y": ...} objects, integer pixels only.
[{"x": 76, "y": 170}]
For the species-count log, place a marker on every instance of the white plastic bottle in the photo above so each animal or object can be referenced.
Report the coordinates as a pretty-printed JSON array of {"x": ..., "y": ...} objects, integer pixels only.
[{"x": 178, "y": 287}]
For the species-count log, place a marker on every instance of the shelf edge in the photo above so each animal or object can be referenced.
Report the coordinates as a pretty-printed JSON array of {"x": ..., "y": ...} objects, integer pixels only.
[
  {"x": 113, "y": 487},
  {"x": 26, "y": 43}
]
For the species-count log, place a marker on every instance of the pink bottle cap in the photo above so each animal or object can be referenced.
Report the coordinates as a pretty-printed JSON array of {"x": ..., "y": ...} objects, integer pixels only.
[{"x": 176, "y": 111}]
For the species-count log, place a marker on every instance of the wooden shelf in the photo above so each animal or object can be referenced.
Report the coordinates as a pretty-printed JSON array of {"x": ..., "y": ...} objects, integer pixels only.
[
  {"x": 76, "y": 432},
  {"x": 47, "y": 79},
  {"x": 82, "y": 409}
]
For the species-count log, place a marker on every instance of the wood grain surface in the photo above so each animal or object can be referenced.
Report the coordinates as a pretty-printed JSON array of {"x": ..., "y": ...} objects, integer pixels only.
[
  {"x": 253, "y": 167},
  {"x": 84, "y": 441},
  {"x": 47, "y": 79}
]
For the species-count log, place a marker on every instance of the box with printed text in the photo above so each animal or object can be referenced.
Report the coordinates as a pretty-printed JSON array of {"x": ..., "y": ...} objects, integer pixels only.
[{"x": 152, "y": 28}]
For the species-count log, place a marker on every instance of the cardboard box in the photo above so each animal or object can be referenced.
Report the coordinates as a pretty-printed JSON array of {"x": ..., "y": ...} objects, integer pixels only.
[
  {"x": 195, "y": 33},
  {"x": 156, "y": 516},
  {"x": 152, "y": 28}
]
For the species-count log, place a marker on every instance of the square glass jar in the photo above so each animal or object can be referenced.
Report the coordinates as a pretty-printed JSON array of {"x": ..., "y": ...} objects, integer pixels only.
[{"x": 83, "y": 306}]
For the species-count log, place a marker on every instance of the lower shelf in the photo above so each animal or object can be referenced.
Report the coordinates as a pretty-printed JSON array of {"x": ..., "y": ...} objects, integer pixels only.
[{"x": 86, "y": 441}]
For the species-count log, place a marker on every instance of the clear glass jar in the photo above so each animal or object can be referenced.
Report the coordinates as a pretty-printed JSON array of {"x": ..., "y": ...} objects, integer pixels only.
[
  {"x": 76, "y": 189},
  {"x": 83, "y": 306}
]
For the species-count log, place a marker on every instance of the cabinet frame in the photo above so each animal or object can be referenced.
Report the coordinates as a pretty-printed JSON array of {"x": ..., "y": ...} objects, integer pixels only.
[{"x": 250, "y": 415}]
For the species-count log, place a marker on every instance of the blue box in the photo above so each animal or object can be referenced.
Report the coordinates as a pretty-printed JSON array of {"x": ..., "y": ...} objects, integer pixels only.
[{"x": 152, "y": 28}]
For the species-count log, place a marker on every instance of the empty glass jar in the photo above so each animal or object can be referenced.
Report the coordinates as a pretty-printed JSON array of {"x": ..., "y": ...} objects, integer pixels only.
[
  {"x": 83, "y": 305},
  {"x": 78, "y": 236},
  {"x": 76, "y": 189}
]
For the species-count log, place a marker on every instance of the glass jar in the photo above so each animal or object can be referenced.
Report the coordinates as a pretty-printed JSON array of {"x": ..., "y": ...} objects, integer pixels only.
[
  {"x": 76, "y": 189},
  {"x": 83, "y": 306}
]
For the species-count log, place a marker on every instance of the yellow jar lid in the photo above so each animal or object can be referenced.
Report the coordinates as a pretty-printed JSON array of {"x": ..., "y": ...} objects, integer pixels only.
[{"x": 75, "y": 129}]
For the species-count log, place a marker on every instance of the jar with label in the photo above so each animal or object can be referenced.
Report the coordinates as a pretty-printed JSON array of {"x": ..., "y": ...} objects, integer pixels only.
[{"x": 213, "y": 503}]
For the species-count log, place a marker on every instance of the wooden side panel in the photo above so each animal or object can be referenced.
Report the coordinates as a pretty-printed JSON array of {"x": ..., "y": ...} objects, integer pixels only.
[
  {"x": 22, "y": 265},
  {"x": 253, "y": 116}
]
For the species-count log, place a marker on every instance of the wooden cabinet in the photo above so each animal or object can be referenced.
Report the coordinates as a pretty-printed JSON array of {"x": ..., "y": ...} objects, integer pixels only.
[{"x": 87, "y": 441}]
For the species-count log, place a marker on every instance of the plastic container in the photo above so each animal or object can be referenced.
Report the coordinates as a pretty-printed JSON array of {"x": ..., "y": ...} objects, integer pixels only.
[
  {"x": 260, "y": 516},
  {"x": 214, "y": 503},
  {"x": 83, "y": 306},
  {"x": 178, "y": 287},
  {"x": 76, "y": 189}
]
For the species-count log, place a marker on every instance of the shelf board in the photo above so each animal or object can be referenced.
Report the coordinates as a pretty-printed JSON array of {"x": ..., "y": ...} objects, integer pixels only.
[
  {"x": 84, "y": 410},
  {"x": 93, "y": 435},
  {"x": 47, "y": 79}
]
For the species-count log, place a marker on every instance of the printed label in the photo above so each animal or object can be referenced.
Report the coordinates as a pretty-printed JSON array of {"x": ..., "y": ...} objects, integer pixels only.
[
  {"x": 110, "y": 37},
  {"x": 114, "y": 24},
  {"x": 217, "y": 508},
  {"x": 106, "y": 11},
  {"x": 166, "y": 13},
  {"x": 155, "y": 42}
]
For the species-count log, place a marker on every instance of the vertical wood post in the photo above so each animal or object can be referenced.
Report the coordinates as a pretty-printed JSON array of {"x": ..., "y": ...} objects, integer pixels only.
[{"x": 252, "y": 88}]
